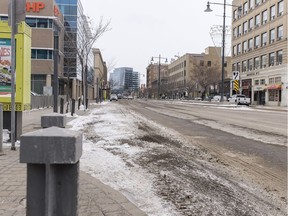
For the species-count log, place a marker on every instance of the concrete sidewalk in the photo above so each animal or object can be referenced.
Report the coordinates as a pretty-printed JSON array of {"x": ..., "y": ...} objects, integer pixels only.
[{"x": 95, "y": 198}]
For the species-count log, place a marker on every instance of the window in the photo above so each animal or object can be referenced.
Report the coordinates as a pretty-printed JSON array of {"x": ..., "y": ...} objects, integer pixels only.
[
  {"x": 251, "y": 4},
  {"x": 234, "y": 51},
  {"x": 250, "y": 64},
  {"x": 250, "y": 43},
  {"x": 280, "y": 32},
  {"x": 262, "y": 81},
  {"x": 41, "y": 54},
  {"x": 257, "y": 41},
  {"x": 272, "y": 35},
  {"x": 5, "y": 18},
  {"x": 277, "y": 79},
  {"x": 244, "y": 66},
  {"x": 257, "y": 2},
  {"x": 234, "y": 67},
  {"x": 257, "y": 20},
  {"x": 271, "y": 80},
  {"x": 238, "y": 66},
  {"x": 263, "y": 61},
  {"x": 256, "y": 82},
  {"x": 271, "y": 58},
  {"x": 280, "y": 8},
  {"x": 209, "y": 63},
  {"x": 264, "y": 39},
  {"x": 251, "y": 24},
  {"x": 245, "y": 8},
  {"x": 279, "y": 56},
  {"x": 244, "y": 46},
  {"x": 256, "y": 62},
  {"x": 239, "y": 30},
  {"x": 273, "y": 95},
  {"x": 245, "y": 27},
  {"x": 39, "y": 22},
  {"x": 234, "y": 32},
  {"x": 31, "y": 22},
  {"x": 264, "y": 17},
  {"x": 272, "y": 12},
  {"x": 42, "y": 23},
  {"x": 239, "y": 48},
  {"x": 37, "y": 83}
]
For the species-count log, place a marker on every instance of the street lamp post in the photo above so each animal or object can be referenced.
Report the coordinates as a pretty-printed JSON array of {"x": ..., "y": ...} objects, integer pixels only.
[
  {"x": 208, "y": 9},
  {"x": 159, "y": 69}
]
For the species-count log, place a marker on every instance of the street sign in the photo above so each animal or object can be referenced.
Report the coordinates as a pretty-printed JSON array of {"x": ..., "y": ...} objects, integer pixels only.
[{"x": 235, "y": 75}]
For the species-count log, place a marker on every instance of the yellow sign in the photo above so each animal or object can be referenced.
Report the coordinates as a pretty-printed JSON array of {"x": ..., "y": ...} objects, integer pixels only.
[
  {"x": 236, "y": 85},
  {"x": 23, "y": 67}
]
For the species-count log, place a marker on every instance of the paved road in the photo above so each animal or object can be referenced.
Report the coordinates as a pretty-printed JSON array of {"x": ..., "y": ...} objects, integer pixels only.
[
  {"x": 95, "y": 198},
  {"x": 251, "y": 140}
]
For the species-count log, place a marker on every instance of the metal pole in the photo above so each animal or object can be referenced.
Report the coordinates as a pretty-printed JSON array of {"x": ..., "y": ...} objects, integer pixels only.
[
  {"x": 223, "y": 52},
  {"x": 55, "y": 78},
  {"x": 158, "y": 92},
  {"x": 1, "y": 129},
  {"x": 13, "y": 55}
]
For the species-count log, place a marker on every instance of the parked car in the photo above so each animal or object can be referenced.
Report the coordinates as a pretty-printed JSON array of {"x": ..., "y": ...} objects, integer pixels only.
[
  {"x": 113, "y": 97},
  {"x": 240, "y": 99},
  {"x": 130, "y": 97},
  {"x": 217, "y": 98}
]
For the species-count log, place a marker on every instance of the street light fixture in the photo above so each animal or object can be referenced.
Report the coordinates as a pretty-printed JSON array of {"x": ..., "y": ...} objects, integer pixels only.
[
  {"x": 159, "y": 78},
  {"x": 208, "y": 9}
]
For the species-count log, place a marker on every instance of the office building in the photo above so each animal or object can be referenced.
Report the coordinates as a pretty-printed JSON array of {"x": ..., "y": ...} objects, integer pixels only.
[
  {"x": 259, "y": 47},
  {"x": 47, "y": 22},
  {"x": 124, "y": 80},
  {"x": 77, "y": 35}
]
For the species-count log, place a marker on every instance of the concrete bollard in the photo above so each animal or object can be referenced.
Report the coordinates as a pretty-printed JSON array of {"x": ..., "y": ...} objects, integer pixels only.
[
  {"x": 53, "y": 119},
  {"x": 52, "y": 156}
]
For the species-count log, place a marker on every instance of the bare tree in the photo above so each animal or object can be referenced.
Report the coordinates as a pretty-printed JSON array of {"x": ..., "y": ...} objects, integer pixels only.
[
  {"x": 112, "y": 83},
  {"x": 205, "y": 75},
  {"x": 190, "y": 88},
  {"x": 84, "y": 47}
]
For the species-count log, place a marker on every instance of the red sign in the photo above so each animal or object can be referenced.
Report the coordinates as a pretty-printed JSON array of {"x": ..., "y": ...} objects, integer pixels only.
[
  {"x": 34, "y": 6},
  {"x": 56, "y": 11}
]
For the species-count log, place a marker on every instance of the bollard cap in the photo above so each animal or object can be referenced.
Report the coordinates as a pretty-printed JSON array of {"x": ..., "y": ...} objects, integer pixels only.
[{"x": 52, "y": 145}]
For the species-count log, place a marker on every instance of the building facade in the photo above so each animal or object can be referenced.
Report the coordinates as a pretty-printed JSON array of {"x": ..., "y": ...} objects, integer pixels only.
[
  {"x": 182, "y": 78},
  {"x": 259, "y": 48},
  {"x": 124, "y": 80},
  {"x": 77, "y": 55},
  {"x": 152, "y": 78},
  {"x": 101, "y": 86},
  {"x": 46, "y": 22}
]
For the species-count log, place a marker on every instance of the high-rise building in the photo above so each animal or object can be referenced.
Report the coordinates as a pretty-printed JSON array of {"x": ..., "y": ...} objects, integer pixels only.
[
  {"x": 259, "y": 49},
  {"x": 77, "y": 34},
  {"x": 124, "y": 79}
]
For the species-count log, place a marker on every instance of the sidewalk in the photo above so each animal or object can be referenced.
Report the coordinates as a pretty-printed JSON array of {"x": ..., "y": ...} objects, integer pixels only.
[{"x": 95, "y": 198}]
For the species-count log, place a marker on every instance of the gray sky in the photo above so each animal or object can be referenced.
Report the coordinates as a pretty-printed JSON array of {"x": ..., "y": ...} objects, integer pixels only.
[{"x": 145, "y": 28}]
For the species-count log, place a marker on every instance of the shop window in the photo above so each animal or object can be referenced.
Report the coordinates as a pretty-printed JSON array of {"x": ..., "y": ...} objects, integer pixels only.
[{"x": 273, "y": 95}]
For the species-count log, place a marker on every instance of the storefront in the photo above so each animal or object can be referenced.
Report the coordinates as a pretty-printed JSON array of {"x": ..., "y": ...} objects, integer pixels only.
[{"x": 274, "y": 94}]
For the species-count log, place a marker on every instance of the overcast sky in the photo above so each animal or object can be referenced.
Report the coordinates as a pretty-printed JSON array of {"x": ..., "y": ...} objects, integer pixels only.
[{"x": 141, "y": 29}]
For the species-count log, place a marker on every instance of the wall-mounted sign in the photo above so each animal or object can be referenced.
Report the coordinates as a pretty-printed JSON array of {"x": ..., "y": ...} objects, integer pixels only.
[
  {"x": 5, "y": 66},
  {"x": 34, "y": 6}
]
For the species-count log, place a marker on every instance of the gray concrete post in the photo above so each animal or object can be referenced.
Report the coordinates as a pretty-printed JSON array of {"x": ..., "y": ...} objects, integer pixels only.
[
  {"x": 53, "y": 119},
  {"x": 52, "y": 156}
]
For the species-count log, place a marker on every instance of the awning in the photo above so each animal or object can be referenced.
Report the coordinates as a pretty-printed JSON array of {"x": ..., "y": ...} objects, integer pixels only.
[{"x": 276, "y": 86}]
